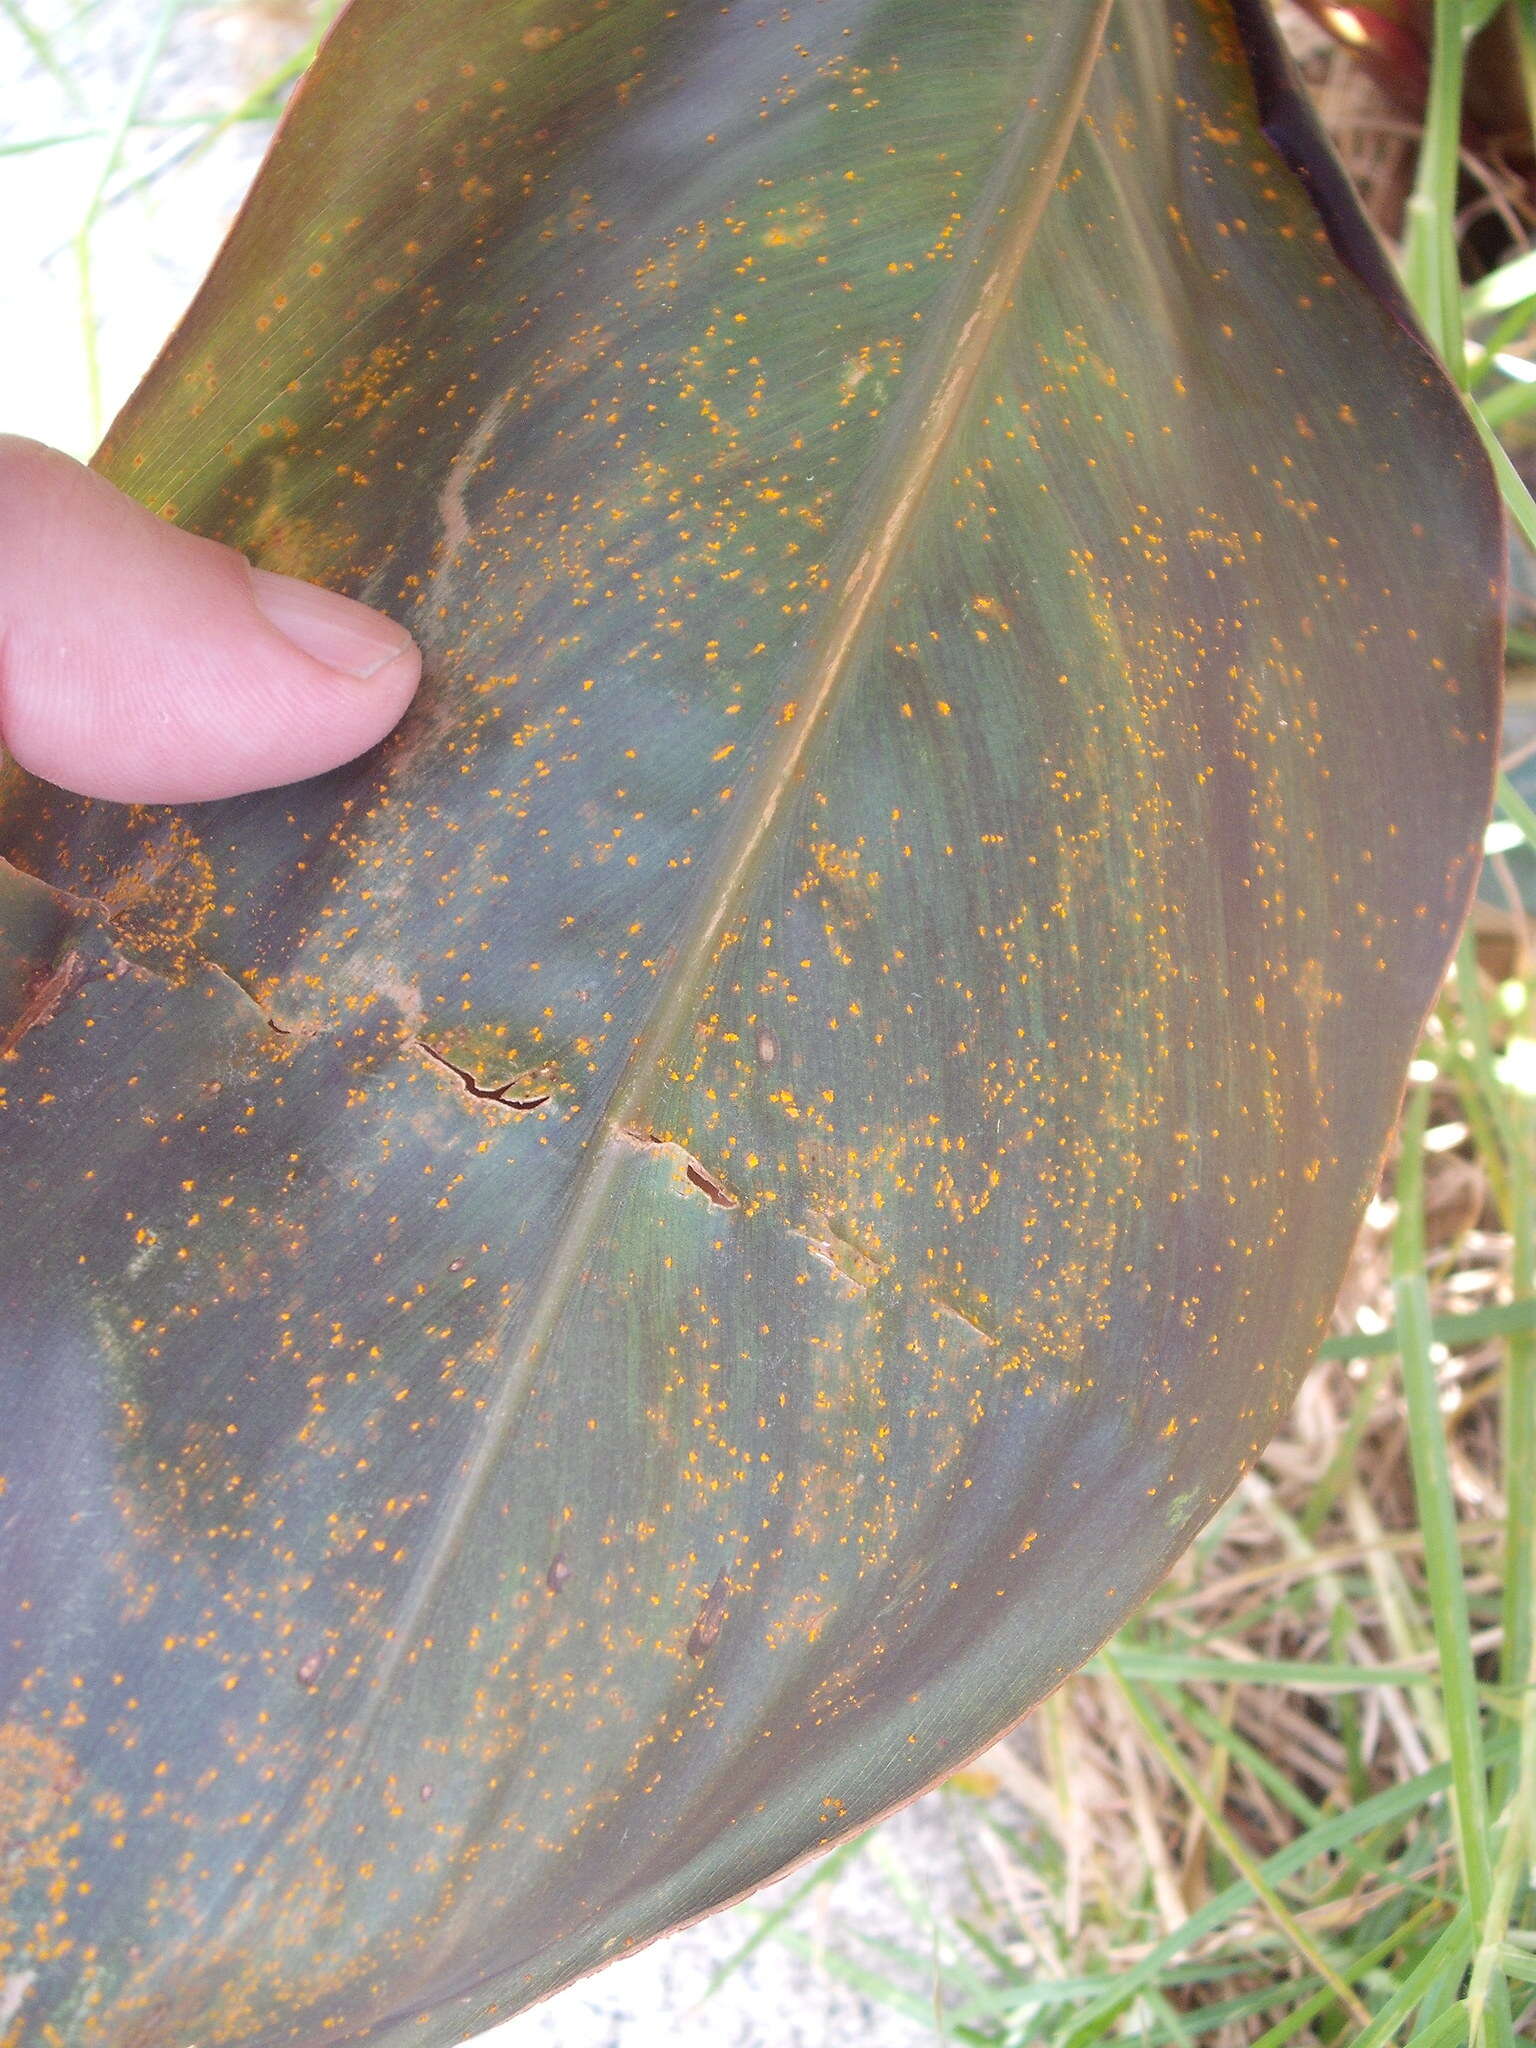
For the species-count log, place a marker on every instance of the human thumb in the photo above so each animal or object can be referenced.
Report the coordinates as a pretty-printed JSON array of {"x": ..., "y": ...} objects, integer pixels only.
[{"x": 146, "y": 665}]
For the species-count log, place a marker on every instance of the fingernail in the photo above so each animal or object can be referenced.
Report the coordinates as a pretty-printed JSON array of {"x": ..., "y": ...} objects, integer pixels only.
[{"x": 345, "y": 635}]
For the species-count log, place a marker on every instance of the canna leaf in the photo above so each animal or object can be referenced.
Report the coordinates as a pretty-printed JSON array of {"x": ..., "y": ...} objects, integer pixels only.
[{"x": 599, "y": 1298}]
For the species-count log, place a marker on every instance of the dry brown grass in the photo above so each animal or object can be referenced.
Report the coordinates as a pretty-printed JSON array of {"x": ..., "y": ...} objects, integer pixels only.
[{"x": 1281, "y": 1582}]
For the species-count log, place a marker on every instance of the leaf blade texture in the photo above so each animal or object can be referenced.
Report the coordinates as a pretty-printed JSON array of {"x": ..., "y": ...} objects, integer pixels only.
[{"x": 652, "y": 1264}]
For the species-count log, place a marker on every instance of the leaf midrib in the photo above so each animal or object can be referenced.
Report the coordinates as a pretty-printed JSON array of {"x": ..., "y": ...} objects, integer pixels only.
[{"x": 918, "y": 432}]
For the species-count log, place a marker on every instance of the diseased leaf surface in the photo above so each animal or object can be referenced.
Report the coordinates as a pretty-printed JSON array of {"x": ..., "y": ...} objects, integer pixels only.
[{"x": 606, "y": 1294}]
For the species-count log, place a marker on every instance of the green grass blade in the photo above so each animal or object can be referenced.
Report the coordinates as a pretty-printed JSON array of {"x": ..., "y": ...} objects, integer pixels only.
[
  {"x": 1451, "y": 2028},
  {"x": 1512, "y": 488},
  {"x": 43, "y": 52},
  {"x": 1430, "y": 268},
  {"x": 1241, "y": 1858},
  {"x": 1357, "y": 1967},
  {"x": 1475, "y": 1327},
  {"x": 1442, "y": 1549},
  {"x": 138, "y": 86},
  {"x": 1384, "y": 1810},
  {"x": 1180, "y": 1668}
]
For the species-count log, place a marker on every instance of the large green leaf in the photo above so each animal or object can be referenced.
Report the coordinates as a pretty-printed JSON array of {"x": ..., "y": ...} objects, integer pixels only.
[{"x": 604, "y": 1295}]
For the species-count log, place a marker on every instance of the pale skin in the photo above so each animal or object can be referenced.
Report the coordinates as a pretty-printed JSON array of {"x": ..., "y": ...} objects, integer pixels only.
[{"x": 145, "y": 665}]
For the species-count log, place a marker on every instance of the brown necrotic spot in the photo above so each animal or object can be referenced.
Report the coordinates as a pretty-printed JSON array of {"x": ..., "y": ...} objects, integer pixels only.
[
  {"x": 705, "y": 1633},
  {"x": 702, "y": 1181},
  {"x": 309, "y": 1670},
  {"x": 558, "y": 1573},
  {"x": 690, "y": 1174},
  {"x": 522, "y": 1092}
]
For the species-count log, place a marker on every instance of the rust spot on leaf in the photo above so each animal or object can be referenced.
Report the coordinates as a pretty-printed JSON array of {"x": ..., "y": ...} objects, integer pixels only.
[
  {"x": 159, "y": 898},
  {"x": 38, "y": 1777},
  {"x": 831, "y": 1245}
]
